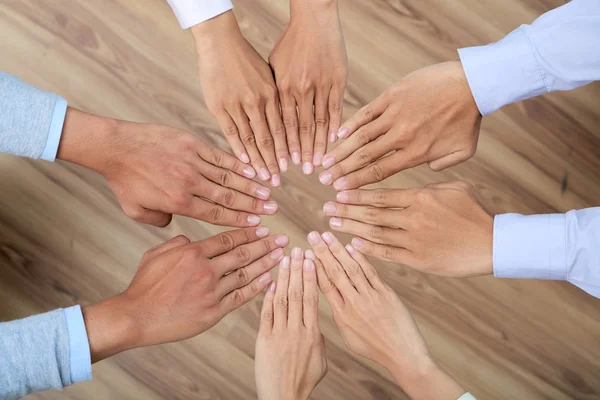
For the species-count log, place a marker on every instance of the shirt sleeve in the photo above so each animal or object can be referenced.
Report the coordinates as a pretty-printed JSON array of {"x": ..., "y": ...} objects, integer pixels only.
[
  {"x": 31, "y": 120},
  {"x": 80, "y": 361},
  {"x": 193, "y": 12},
  {"x": 552, "y": 246},
  {"x": 559, "y": 51},
  {"x": 466, "y": 396}
]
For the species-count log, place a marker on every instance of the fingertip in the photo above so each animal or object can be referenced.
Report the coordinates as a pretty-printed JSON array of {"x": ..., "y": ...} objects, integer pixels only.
[
  {"x": 244, "y": 158},
  {"x": 309, "y": 254},
  {"x": 275, "y": 180},
  {"x": 283, "y": 164},
  {"x": 308, "y": 265},
  {"x": 253, "y": 220},
  {"x": 248, "y": 172},
  {"x": 296, "y": 158},
  {"x": 357, "y": 243},
  {"x": 328, "y": 237},
  {"x": 307, "y": 168},
  {"x": 271, "y": 288},
  {"x": 313, "y": 238},
  {"x": 343, "y": 132}
]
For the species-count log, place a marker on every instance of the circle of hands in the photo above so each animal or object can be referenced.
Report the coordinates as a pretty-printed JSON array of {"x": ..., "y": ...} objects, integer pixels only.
[{"x": 270, "y": 114}]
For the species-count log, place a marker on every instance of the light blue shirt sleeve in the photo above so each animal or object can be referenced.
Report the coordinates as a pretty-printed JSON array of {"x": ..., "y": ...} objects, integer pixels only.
[
  {"x": 31, "y": 120},
  {"x": 559, "y": 51},
  {"x": 553, "y": 246},
  {"x": 79, "y": 346}
]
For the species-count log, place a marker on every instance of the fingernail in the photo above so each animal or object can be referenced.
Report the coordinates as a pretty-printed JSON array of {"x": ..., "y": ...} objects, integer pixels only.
[
  {"x": 327, "y": 237},
  {"x": 297, "y": 253},
  {"x": 253, "y": 219},
  {"x": 262, "y": 232},
  {"x": 356, "y": 242},
  {"x": 318, "y": 157},
  {"x": 326, "y": 177},
  {"x": 283, "y": 164},
  {"x": 249, "y": 172},
  {"x": 335, "y": 222},
  {"x": 342, "y": 132},
  {"x": 328, "y": 161},
  {"x": 313, "y": 238},
  {"x": 350, "y": 249},
  {"x": 307, "y": 168},
  {"x": 329, "y": 208},
  {"x": 270, "y": 207},
  {"x": 332, "y": 136},
  {"x": 342, "y": 197},
  {"x": 340, "y": 184},
  {"x": 308, "y": 265},
  {"x": 309, "y": 254},
  {"x": 296, "y": 158},
  {"x": 277, "y": 254},
  {"x": 264, "y": 278},
  {"x": 263, "y": 193},
  {"x": 275, "y": 181},
  {"x": 272, "y": 287},
  {"x": 281, "y": 240},
  {"x": 285, "y": 263},
  {"x": 244, "y": 157},
  {"x": 263, "y": 174}
]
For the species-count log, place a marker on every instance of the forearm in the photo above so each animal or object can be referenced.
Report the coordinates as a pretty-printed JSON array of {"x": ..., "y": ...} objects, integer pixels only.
[
  {"x": 426, "y": 381},
  {"x": 215, "y": 33}
]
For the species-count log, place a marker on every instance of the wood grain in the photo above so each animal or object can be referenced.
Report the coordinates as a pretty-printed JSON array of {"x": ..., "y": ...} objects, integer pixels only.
[{"x": 64, "y": 240}]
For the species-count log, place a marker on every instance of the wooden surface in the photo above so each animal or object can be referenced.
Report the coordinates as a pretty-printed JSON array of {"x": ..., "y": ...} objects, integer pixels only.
[{"x": 63, "y": 239}]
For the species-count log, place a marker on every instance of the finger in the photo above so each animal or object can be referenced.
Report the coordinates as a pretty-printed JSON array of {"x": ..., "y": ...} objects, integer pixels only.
[
  {"x": 295, "y": 290},
  {"x": 177, "y": 241},
  {"x": 249, "y": 141},
  {"x": 248, "y": 253},
  {"x": 383, "y": 252},
  {"x": 321, "y": 125},
  {"x": 449, "y": 160},
  {"x": 241, "y": 296},
  {"x": 336, "y": 101},
  {"x": 232, "y": 135},
  {"x": 374, "y": 233},
  {"x": 393, "y": 198},
  {"x": 217, "y": 214},
  {"x": 376, "y": 172},
  {"x": 353, "y": 270},
  {"x": 281, "y": 294},
  {"x": 278, "y": 134},
  {"x": 368, "y": 269},
  {"x": 266, "y": 314},
  {"x": 242, "y": 276},
  {"x": 307, "y": 131},
  {"x": 334, "y": 270},
  {"x": 290, "y": 121},
  {"x": 234, "y": 200},
  {"x": 227, "y": 241},
  {"x": 331, "y": 293},
  {"x": 367, "y": 214},
  {"x": 226, "y": 178},
  {"x": 264, "y": 140},
  {"x": 363, "y": 116},
  {"x": 311, "y": 295},
  {"x": 364, "y": 136},
  {"x": 224, "y": 160}
]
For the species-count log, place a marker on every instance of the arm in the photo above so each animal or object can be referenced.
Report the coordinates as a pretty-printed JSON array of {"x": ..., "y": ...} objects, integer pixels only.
[{"x": 559, "y": 51}]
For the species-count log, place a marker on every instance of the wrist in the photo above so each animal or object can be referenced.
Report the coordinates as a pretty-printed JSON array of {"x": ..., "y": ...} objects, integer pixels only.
[
  {"x": 111, "y": 327},
  {"x": 425, "y": 379},
  {"x": 299, "y": 8},
  {"x": 211, "y": 34}
]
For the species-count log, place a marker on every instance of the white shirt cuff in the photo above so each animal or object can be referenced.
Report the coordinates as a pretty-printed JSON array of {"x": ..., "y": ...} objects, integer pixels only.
[
  {"x": 503, "y": 72},
  {"x": 193, "y": 12},
  {"x": 466, "y": 396},
  {"x": 79, "y": 348},
  {"x": 55, "y": 131},
  {"x": 532, "y": 246}
]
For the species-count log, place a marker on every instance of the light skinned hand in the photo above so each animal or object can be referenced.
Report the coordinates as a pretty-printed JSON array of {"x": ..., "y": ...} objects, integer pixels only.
[
  {"x": 240, "y": 92},
  {"x": 156, "y": 171},
  {"x": 310, "y": 66},
  {"x": 441, "y": 229},
  {"x": 429, "y": 116},
  {"x": 290, "y": 352},
  {"x": 373, "y": 320},
  {"x": 183, "y": 288}
]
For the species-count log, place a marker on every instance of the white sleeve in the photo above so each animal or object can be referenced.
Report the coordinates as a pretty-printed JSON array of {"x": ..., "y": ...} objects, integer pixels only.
[{"x": 193, "y": 12}]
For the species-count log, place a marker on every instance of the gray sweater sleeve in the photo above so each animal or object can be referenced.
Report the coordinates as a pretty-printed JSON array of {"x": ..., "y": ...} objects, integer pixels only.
[
  {"x": 34, "y": 355},
  {"x": 31, "y": 120}
]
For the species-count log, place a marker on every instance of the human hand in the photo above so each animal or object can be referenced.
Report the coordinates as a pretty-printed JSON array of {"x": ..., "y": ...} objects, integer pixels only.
[
  {"x": 290, "y": 352},
  {"x": 373, "y": 320},
  {"x": 429, "y": 116},
  {"x": 441, "y": 229},
  {"x": 156, "y": 171},
  {"x": 310, "y": 67},
  {"x": 182, "y": 289},
  {"x": 240, "y": 92}
]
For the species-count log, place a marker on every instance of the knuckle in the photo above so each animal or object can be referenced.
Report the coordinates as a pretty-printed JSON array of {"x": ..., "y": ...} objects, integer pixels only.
[
  {"x": 248, "y": 139},
  {"x": 334, "y": 107},
  {"x": 363, "y": 157},
  {"x": 367, "y": 112},
  {"x": 265, "y": 141},
  {"x": 363, "y": 137},
  {"x": 267, "y": 245},
  {"x": 215, "y": 157},
  {"x": 307, "y": 155},
  {"x": 424, "y": 196},
  {"x": 180, "y": 200},
  {"x": 321, "y": 122},
  {"x": 388, "y": 253},
  {"x": 224, "y": 178},
  {"x": 296, "y": 294},
  {"x": 372, "y": 214},
  {"x": 281, "y": 301},
  {"x": 305, "y": 86},
  {"x": 335, "y": 273},
  {"x": 376, "y": 172},
  {"x": 267, "y": 315},
  {"x": 326, "y": 286},
  {"x": 216, "y": 213},
  {"x": 278, "y": 129},
  {"x": 227, "y": 198},
  {"x": 230, "y": 131},
  {"x": 290, "y": 123},
  {"x": 352, "y": 270},
  {"x": 305, "y": 127},
  {"x": 310, "y": 300},
  {"x": 251, "y": 99},
  {"x": 242, "y": 276},
  {"x": 226, "y": 240},
  {"x": 370, "y": 272},
  {"x": 242, "y": 254},
  {"x": 237, "y": 298},
  {"x": 257, "y": 205},
  {"x": 379, "y": 197},
  {"x": 191, "y": 253},
  {"x": 375, "y": 232}
]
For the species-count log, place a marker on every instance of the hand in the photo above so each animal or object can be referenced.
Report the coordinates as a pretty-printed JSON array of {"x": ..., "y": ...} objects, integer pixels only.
[
  {"x": 290, "y": 353},
  {"x": 156, "y": 171},
  {"x": 310, "y": 68},
  {"x": 441, "y": 229},
  {"x": 240, "y": 92},
  {"x": 182, "y": 289},
  {"x": 374, "y": 322},
  {"x": 430, "y": 116}
]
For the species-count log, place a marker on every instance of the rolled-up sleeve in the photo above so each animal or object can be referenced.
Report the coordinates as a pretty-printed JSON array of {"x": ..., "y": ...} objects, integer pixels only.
[{"x": 194, "y": 12}]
